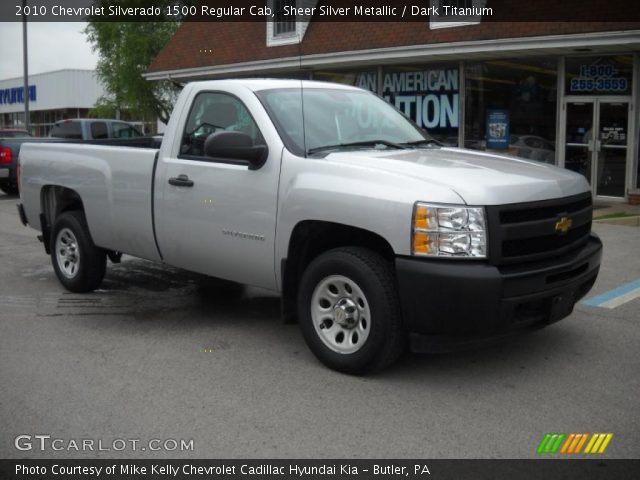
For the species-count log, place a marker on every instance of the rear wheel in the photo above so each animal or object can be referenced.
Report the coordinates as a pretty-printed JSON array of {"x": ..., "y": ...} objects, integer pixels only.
[
  {"x": 79, "y": 265},
  {"x": 349, "y": 311}
]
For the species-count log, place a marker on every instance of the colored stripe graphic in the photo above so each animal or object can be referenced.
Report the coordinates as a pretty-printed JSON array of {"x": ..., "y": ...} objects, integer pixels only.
[
  {"x": 584, "y": 439},
  {"x": 590, "y": 444},
  {"x": 543, "y": 443},
  {"x": 616, "y": 297},
  {"x": 572, "y": 443},
  {"x": 598, "y": 443},
  {"x": 557, "y": 443},
  {"x": 565, "y": 447},
  {"x": 605, "y": 444},
  {"x": 550, "y": 443},
  {"x": 572, "y": 447}
]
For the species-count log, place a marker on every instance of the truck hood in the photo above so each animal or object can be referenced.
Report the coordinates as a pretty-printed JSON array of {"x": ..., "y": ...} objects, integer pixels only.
[{"x": 479, "y": 178}]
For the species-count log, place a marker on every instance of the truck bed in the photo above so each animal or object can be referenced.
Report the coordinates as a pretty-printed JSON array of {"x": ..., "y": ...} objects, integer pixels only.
[
  {"x": 114, "y": 178},
  {"x": 9, "y": 172}
]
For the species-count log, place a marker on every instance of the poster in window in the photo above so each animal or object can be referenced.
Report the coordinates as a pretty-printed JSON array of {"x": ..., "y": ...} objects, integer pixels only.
[{"x": 497, "y": 129}]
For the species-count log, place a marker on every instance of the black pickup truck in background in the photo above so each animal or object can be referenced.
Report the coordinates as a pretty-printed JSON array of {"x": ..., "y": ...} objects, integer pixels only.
[
  {"x": 13, "y": 132},
  {"x": 83, "y": 130}
]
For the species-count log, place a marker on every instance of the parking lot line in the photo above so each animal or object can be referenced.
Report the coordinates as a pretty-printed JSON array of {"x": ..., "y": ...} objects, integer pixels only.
[{"x": 616, "y": 297}]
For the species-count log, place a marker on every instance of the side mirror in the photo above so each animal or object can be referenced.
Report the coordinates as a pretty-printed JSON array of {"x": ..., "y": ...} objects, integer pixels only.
[{"x": 236, "y": 146}]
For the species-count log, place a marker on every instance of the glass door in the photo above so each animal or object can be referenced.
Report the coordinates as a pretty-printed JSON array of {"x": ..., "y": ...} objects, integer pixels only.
[
  {"x": 611, "y": 148},
  {"x": 601, "y": 156},
  {"x": 579, "y": 144}
]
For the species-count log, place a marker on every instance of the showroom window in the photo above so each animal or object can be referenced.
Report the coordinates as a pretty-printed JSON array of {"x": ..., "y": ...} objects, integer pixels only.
[
  {"x": 427, "y": 94},
  {"x": 510, "y": 106}
]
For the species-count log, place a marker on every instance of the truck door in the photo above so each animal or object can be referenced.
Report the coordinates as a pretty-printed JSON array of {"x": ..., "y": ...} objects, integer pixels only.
[{"x": 216, "y": 216}]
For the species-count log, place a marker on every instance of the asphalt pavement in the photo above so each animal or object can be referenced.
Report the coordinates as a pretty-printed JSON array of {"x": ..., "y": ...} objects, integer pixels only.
[{"x": 157, "y": 355}]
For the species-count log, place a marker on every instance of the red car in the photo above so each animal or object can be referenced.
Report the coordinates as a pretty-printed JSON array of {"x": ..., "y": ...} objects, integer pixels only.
[{"x": 10, "y": 141}]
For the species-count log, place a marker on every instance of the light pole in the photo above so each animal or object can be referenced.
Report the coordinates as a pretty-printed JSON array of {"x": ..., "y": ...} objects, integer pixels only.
[{"x": 27, "y": 120}]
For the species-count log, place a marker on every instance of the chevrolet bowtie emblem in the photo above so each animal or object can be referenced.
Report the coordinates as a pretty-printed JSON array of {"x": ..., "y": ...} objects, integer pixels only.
[{"x": 563, "y": 225}]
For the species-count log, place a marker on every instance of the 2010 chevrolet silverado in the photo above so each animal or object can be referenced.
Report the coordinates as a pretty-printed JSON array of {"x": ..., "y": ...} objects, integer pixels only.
[{"x": 375, "y": 235}]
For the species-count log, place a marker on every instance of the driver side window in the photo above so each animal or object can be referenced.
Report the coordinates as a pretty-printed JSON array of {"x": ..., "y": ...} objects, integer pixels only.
[{"x": 215, "y": 112}]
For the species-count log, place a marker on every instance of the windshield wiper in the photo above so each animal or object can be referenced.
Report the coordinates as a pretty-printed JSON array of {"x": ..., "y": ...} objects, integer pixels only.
[
  {"x": 367, "y": 143},
  {"x": 426, "y": 141}
]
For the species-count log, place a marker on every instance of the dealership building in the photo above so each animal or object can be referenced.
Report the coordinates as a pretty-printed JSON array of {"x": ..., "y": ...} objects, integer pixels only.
[
  {"x": 53, "y": 96},
  {"x": 564, "y": 93}
]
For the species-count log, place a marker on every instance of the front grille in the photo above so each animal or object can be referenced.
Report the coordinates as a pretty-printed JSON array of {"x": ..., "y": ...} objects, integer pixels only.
[
  {"x": 526, "y": 232},
  {"x": 529, "y": 215},
  {"x": 544, "y": 243}
]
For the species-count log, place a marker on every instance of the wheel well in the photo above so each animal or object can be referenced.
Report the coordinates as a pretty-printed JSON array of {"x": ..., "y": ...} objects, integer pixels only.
[
  {"x": 55, "y": 200},
  {"x": 310, "y": 239}
]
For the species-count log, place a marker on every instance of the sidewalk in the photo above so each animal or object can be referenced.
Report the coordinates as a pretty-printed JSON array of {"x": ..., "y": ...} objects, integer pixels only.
[{"x": 616, "y": 213}]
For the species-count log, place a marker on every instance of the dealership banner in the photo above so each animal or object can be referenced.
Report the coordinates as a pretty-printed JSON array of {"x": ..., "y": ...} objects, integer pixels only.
[
  {"x": 429, "y": 97},
  {"x": 319, "y": 469}
]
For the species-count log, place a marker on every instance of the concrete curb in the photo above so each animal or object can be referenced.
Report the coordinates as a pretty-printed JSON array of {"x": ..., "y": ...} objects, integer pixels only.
[{"x": 629, "y": 221}]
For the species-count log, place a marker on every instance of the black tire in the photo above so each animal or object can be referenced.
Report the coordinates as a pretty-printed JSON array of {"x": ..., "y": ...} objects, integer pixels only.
[
  {"x": 10, "y": 188},
  {"x": 91, "y": 260},
  {"x": 386, "y": 339}
]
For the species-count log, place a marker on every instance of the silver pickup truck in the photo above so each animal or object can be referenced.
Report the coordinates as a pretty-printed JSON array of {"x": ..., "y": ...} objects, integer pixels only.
[{"x": 376, "y": 236}]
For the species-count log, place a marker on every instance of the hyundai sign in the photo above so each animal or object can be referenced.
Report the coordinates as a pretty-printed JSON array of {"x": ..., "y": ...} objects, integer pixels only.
[{"x": 9, "y": 96}]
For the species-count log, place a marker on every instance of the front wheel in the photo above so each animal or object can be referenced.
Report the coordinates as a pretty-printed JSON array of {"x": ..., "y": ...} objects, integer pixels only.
[
  {"x": 79, "y": 264},
  {"x": 349, "y": 311}
]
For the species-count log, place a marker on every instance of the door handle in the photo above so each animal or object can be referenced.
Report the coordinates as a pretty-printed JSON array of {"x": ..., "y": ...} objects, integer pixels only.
[{"x": 181, "y": 181}]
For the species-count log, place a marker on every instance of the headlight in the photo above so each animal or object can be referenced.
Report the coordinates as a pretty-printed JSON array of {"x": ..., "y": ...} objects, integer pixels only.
[{"x": 448, "y": 231}]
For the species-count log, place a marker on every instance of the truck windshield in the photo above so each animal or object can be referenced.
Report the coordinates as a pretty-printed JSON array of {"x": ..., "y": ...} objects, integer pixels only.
[{"x": 317, "y": 121}]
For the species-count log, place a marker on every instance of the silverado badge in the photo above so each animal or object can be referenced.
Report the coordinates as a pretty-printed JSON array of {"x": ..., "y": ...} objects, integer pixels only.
[{"x": 563, "y": 225}]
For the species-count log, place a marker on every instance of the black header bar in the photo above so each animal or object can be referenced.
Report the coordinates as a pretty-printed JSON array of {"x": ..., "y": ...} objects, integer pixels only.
[{"x": 323, "y": 11}]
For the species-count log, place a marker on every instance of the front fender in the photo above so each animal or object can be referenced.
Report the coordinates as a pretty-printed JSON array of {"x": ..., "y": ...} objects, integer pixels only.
[{"x": 366, "y": 198}]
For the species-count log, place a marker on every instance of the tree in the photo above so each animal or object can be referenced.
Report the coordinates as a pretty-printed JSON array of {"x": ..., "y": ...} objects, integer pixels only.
[{"x": 126, "y": 49}]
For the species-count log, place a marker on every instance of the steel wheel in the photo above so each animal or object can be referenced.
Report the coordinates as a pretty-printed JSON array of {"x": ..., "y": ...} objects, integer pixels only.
[
  {"x": 340, "y": 314},
  {"x": 79, "y": 264},
  {"x": 349, "y": 310},
  {"x": 67, "y": 253}
]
